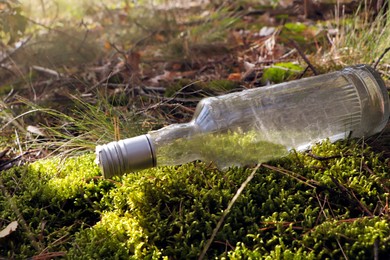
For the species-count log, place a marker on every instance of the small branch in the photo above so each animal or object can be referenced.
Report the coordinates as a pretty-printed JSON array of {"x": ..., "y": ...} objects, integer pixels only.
[
  {"x": 292, "y": 175},
  {"x": 376, "y": 249},
  {"x": 341, "y": 248},
  {"x": 381, "y": 57},
  {"x": 326, "y": 217},
  {"x": 303, "y": 72},
  {"x": 381, "y": 181},
  {"x": 352, "y": 195},
  {"x": 321, "y": 158},
  {"x": 13, "y": 159},
  {"x": 49, "y": 255},
  {"x": 226, "y": 211},
  {"x": 304, "y": 57},
  {"x": 47, "y": 71}
]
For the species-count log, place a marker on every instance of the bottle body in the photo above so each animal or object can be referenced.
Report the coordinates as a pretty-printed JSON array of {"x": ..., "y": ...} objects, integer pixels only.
[{"x": 259, "y": 124}]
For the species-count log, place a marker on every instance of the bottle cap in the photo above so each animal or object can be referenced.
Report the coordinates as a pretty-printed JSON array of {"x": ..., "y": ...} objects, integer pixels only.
[
  {"x": 126, "y": 155},
  {"x": 374, "y": 99}
]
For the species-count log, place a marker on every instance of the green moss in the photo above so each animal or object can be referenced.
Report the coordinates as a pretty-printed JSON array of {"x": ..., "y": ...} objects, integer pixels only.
[
  {"x": 280, "y": 72},
  {"x": 295, "y": 27},
  {"x": 223, "y": 149},
  {"x": 55, "y": 198},
  {"x": 310, "y": 207},
  {"x": 172, "y": 211}
]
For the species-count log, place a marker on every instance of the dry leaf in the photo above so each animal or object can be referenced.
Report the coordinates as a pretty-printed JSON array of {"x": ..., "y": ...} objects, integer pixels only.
[
  {"x": 172, "y": 75},
  {"x": 159, "y": 37},
  {"x": 166, "y": 76},
  {"x": 35, "y": 130},
  {"x": 234, "y": 76},
  {"x": 249, "y": 66},
  {"x": 134, "y": 59},
  {"x": 266, "y": 31},
  {"x": 107, "y": 45},
  {"x": 9, "y": 229}
]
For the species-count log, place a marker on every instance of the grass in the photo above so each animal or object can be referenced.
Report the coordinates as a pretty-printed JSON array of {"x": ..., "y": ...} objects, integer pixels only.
[{"x": 359, "y": 39}]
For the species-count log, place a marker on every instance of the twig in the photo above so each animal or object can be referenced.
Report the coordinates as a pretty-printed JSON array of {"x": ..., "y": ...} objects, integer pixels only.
[
  {"x": 381, "y": 181},
  {"x": 341, "y": 248},
  {"x": 381, "y": 57},
  {"x": 326, "y": 217},
  {"x": 321, "y": 158},
  {"x": 47, "y": 71},
  {"x": 49, "y": 255},
  {"x": 322, "y": 206},
  {"x": 165, "y": 99},
  {"x": 138, "y": 88},
  {"x": 292, "y": 175},
  {"x": 352, "y": 195},
  {"x": 304, "y": 57},
  {"x": 227, "y": 244},
  {"x": 14, "y": 159},
  {"x": 376, "y": 249},
  {"x": 226, "y": 211},
  {"x": 303, "y": 72}
]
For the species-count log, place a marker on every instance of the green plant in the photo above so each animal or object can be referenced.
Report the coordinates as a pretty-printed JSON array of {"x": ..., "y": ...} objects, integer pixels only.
[
  {"x": 359, "y": 39},
  {"x": 79, "y": 129},
  {"x": 280, "y": 72},
  {"x": 51, "y": 200}
]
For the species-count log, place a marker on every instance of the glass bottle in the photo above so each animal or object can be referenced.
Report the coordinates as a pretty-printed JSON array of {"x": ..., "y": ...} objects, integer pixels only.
[{"x": 260, "y": 124}]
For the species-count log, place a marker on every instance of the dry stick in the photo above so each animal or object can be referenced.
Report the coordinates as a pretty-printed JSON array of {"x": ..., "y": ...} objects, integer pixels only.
[
  {"x": 303, "y": 72},
  {"x": 326, "y": 217},
  {"x": 381, "y": 181},
  {"x": 376, "y": 249},
  {"x": 352, "y": 195},
  {"x": 292, "y": 175},
  {"x": 381, "y": 57},
  {"x": 226, "y": 211},
  {"x": 322, "y": 158},
  {"x": 304, "y": 57}
]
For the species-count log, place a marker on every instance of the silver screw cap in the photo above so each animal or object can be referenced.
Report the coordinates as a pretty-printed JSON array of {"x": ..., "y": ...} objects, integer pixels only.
[{"x": 117, "y": 158}]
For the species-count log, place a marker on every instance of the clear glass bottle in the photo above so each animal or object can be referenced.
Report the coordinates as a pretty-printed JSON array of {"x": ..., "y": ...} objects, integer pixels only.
[{"x": 260, "y": 124}]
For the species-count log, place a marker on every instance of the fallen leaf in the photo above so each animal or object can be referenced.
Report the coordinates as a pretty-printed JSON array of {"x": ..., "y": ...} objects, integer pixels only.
[
  {"x": 133, "y": 59},
  {"x": 9, "y": 229},
  {"x": 172, "y": 75},
  {"x": 234, "y": 76},
  {"x": 35, "y": 130},
  {"x": 249, "y": 66},
  {"x": 167, "y": 76},
  {"x": 159, "y": 37},
  {"x": 266, "y": 31},
  {"x": 107, "y": 45}
]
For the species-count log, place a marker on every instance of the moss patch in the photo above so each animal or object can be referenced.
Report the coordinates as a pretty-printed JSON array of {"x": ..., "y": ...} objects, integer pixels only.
[
  {"x": 281, "y": 72},
  {"x": 322, "y": 204}
]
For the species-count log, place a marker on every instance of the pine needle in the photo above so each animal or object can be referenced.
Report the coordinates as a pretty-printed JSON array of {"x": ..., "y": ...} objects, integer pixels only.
[{"x": 227, "y": 210}]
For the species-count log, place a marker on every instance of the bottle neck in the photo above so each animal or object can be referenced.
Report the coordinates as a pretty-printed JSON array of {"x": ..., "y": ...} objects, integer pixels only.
[{"x": 175, "y": 144}]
